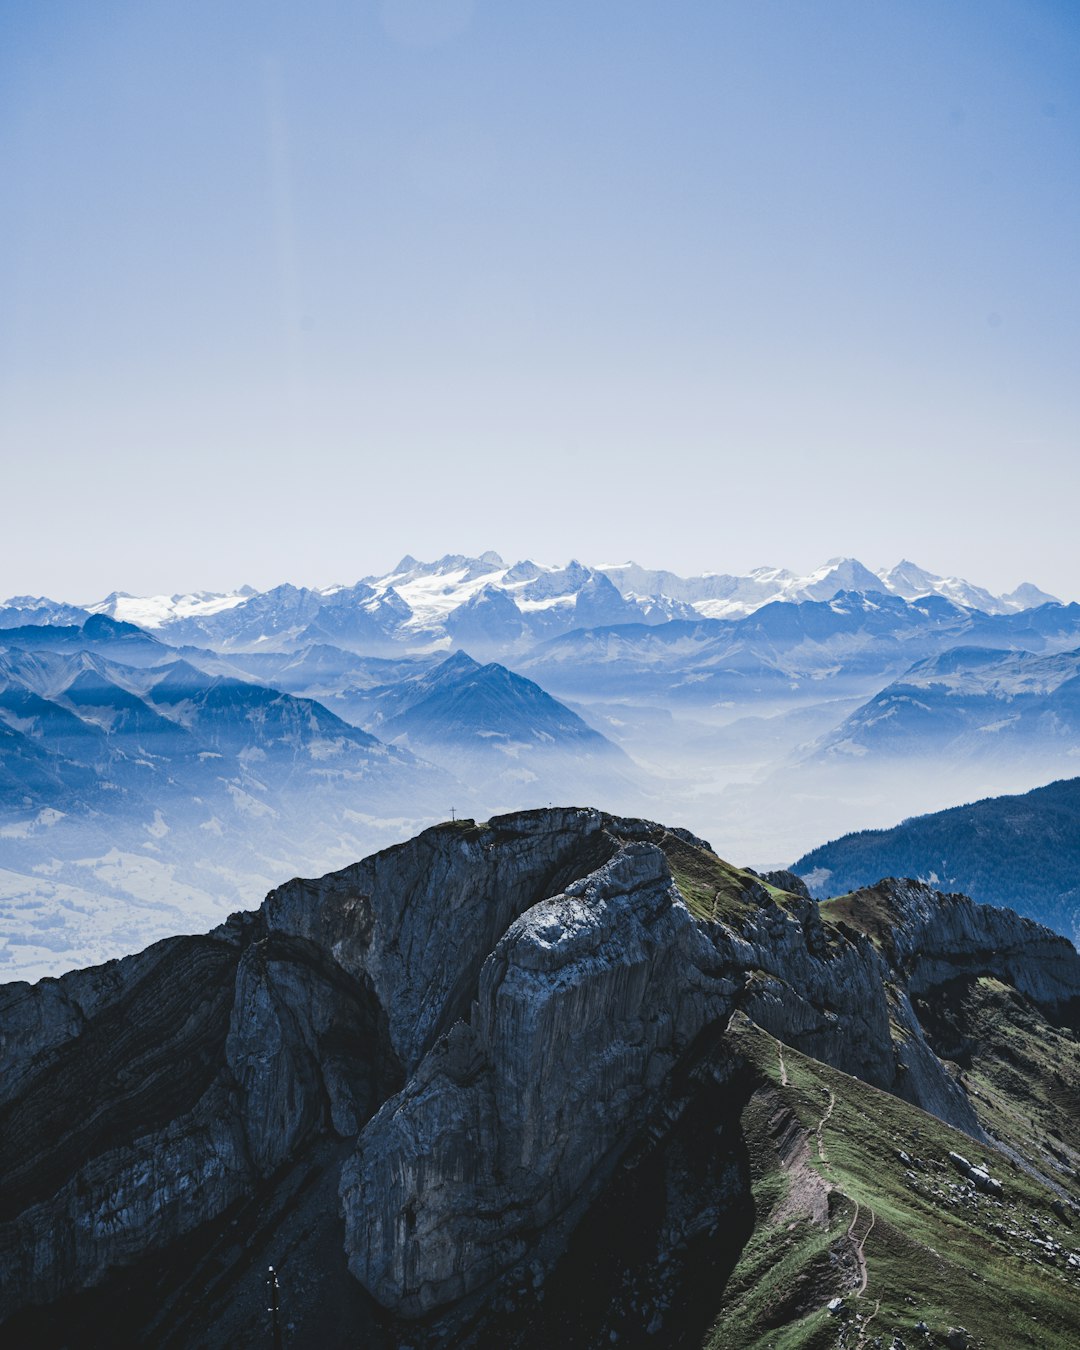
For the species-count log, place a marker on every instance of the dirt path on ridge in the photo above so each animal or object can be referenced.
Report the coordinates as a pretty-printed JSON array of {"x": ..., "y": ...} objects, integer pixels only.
[{"x": 822, "y": 1155}]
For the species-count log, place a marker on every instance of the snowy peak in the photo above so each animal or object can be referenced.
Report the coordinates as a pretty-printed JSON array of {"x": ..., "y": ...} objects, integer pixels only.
[
  {"x": 721, "y": 596},
  {"x": 908, "y": 580},
  {"x": 429, "y": 592},
  {"x": 838, "y": 574},
  {"x": 912, "y": 582},
  {"x": 495, "y": 607},
  {"x": 155, "y": 611}
]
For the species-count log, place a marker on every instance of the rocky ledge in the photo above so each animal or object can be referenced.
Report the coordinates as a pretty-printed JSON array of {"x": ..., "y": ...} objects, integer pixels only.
[{"x": 469, "y": 1037}]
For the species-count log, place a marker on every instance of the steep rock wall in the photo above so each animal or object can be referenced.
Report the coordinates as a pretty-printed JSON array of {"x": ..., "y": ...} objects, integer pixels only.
[{"x": 583, "y": 1008}]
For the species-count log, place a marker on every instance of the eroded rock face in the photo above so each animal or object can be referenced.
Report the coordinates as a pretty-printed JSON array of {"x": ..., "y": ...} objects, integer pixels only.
[
  {"x": 419, "y": 920},
  {"x": 482, "y": 1021},
  {"x": 938, "y": 937},
  {"x": 837, "y": 1001},
  {"x": 583, "y": 1009}
]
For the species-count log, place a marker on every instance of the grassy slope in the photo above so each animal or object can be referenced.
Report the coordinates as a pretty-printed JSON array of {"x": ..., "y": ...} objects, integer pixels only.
[
  {"x": 713, "y": 889},
  {"x": 937, "y": 1252},
  {"x": 1021, "y": 1072},
  {"x": 926, "y": 1258}
]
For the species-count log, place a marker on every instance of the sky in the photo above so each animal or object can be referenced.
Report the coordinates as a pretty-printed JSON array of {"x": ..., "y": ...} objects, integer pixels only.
[{"x": 287, "y": 291}]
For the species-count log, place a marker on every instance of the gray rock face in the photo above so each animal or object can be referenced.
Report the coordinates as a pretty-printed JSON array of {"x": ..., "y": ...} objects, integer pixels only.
[
  {"x": 834, "y": 997},
  {"x": 480, "y": 1021},
  {"x": 583, "y": 1008},
  {"x": 787, "y": 881},
  {"x": 118, "y": 1128},
  {"x": 418, "y": 921},
  {"x": 938, "y": 937},
  {"x": 142, "y": 1098}
]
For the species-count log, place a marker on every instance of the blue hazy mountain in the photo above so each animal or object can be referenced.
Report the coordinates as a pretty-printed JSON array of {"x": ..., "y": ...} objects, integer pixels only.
[
  {"x": 170, "y": 721},
  {"x": 490, "y": 726},
  {"x": 488, "y": 620},
  {"x": 320, "y": 670},
  {"x": 970, "y": 703},
  {"x": 468, "y": 705},
  {"x": 133, "y": 799},
  {"x": 853, "y": 641},
  {"x": 124, "y": 642},
  {"x": 1022, "y": 851}
]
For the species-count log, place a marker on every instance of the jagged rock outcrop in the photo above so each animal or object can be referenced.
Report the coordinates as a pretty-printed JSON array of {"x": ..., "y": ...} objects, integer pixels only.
[
  {"x": 471, "y": 1036},
  {"x": 582, "y": 1011},
  {"x": 936, "y": 937},
  {"x": 417, "y": 922},
  {"x": 786, "y": 881}
]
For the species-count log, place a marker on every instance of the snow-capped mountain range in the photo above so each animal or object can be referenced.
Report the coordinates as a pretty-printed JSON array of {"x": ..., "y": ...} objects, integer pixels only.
[{"x": 484, "y": 602}]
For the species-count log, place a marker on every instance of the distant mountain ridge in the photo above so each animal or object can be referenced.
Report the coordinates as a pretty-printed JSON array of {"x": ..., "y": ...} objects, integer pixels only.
[
  {"x": 484, "y": 599},
  {"x": 1022, "y": 851},
  {"x": 135, "y": 799},
  {"x": 967, "y": 702}
]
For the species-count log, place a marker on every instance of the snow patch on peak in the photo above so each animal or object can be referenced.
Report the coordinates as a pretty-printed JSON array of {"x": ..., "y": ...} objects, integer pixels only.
[{"x": 153, "y": 611}]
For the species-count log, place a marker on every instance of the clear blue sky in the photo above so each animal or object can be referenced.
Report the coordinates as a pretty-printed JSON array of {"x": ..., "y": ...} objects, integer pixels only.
[{"x": 287, "y": 290}]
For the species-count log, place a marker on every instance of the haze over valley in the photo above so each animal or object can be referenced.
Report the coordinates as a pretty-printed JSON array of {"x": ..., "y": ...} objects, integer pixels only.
[{"x": 168, "y": 759}]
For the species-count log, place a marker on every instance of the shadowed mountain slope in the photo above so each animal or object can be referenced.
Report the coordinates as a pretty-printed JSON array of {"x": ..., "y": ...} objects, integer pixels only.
[{"x": 472, "y": 706}]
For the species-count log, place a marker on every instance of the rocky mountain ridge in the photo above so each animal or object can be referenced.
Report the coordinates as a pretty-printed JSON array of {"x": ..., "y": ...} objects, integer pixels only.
[{"x": 466, "y": 1035}]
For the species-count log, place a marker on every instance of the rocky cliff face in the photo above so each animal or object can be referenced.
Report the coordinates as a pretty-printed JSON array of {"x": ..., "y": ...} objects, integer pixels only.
[
  {"x": 470, "y": 1037},
  {"x": 581, "y": 1012}
]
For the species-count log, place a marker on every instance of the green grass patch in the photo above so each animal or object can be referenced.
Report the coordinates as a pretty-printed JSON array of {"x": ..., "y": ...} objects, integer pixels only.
[
  {"x": 926, "y": 1259},
  {"x": 867, "y": 911},
  {"x": 714, "y": 890}
]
